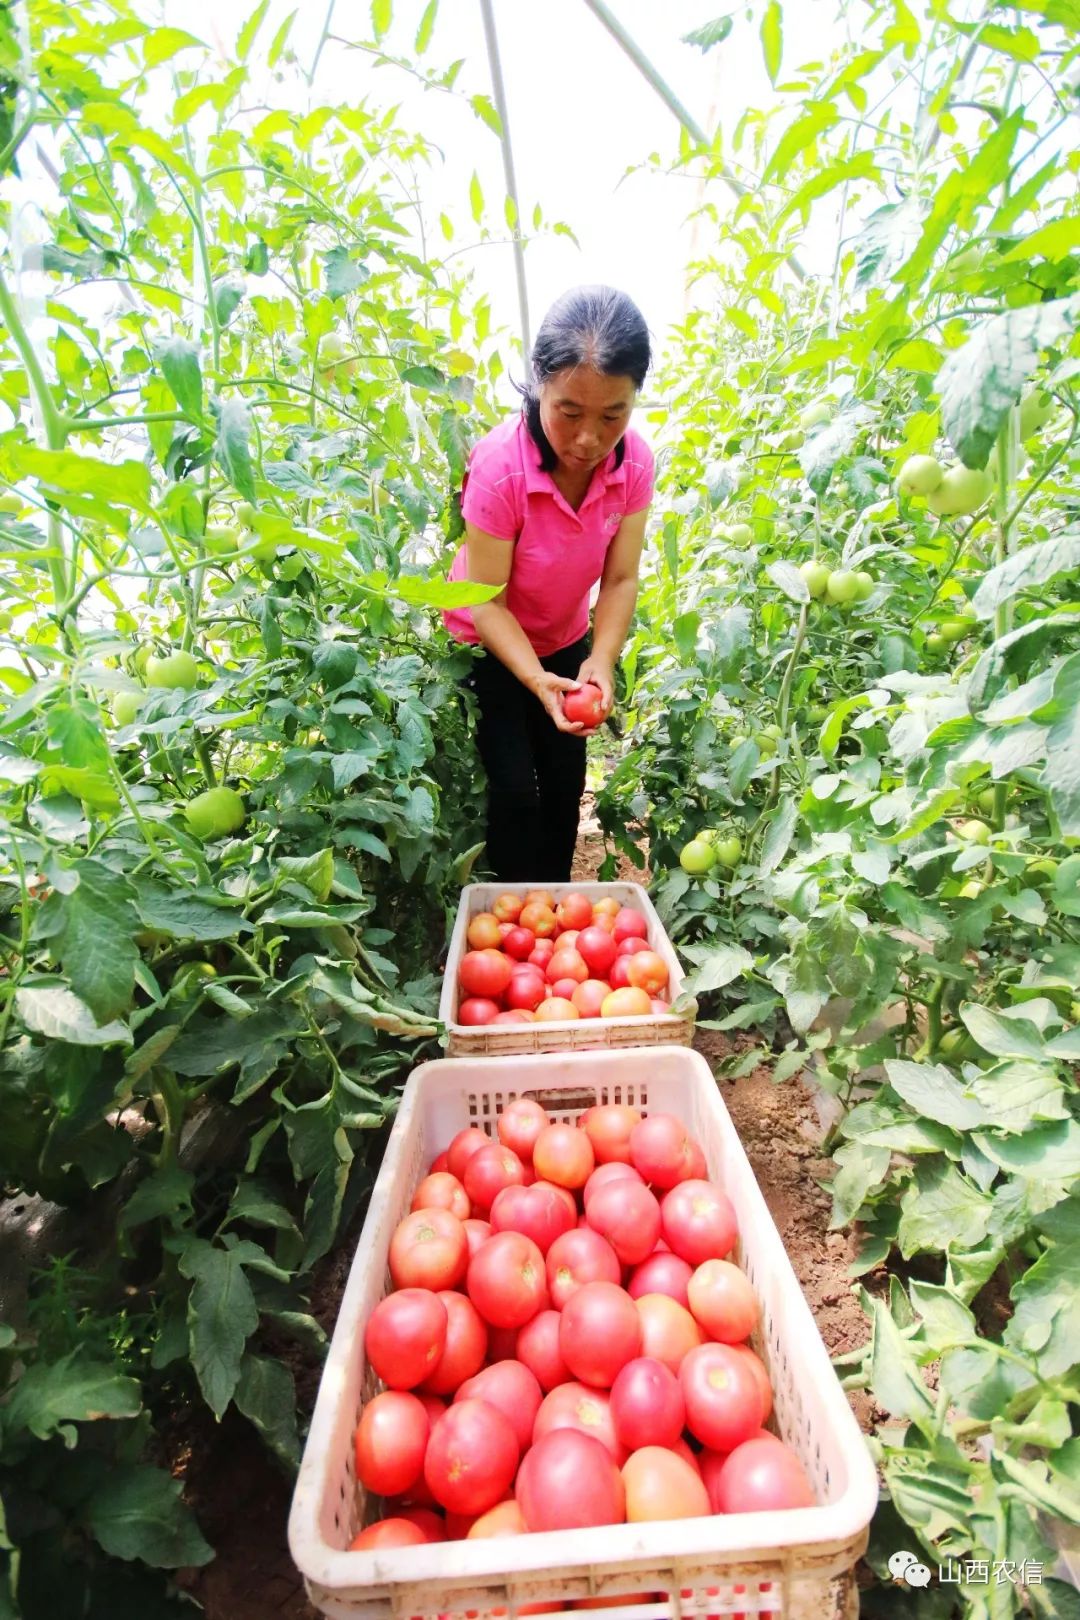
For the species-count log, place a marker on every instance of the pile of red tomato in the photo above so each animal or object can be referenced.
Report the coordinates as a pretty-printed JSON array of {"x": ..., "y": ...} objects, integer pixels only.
[
  {"x": 566, "y": 1342},
  {"x": 534, "y": 958}
]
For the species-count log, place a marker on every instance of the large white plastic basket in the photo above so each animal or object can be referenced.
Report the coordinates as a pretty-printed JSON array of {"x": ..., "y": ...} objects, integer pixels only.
[
  {"x": 796, "y": 1565},
  {"x": 570, "y": 1035}
]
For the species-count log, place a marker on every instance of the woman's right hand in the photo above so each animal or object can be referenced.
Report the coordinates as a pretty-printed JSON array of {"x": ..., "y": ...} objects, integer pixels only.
[{"x": 549, "y": 689}]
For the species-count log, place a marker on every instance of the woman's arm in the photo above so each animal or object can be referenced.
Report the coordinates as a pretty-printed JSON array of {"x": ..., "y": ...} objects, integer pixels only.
[
  {"x": 489, "y": 563},
  {"x": 615, "y": 604}
]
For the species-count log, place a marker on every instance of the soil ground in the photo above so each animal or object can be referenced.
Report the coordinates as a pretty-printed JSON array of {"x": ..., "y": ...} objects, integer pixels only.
[{"x": 242, "y": 1501}]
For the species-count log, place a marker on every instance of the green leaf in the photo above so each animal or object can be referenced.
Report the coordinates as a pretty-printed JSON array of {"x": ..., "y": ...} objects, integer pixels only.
[
  {"x": 208, "y": 1046},
  {"x": 164, "y": 1192},
  {"x": 232, "y": 448},
  {"x": 1002, "y": 1037},
  {"x": 860, "y": 1168},
  {"x": 426, "y": 28},
  {"x": 342, "y": 272},
  {"x": 245, "y": 39},
  {"x": 710, "y": 34},
  {"x": 945, "y": 1318},
  {"x": 116, "y": 483},
  {"x": 1043, "y": 1153},
  {"x": 772, "y": 38},
  {"x": 162, "y": 44},
  {"x": 228, "y": 295},
  {"x": 942, "y": 1210},
  {"x": 980, "y": 382},
  {"x": 266, "y": 1394},
  {"x": 486, "y": 112},
  {"x": 476, "y": 198},
  {"x": 179, "y": 362},
  {"x": 382, "y": 14},
  {"x": 894, "y": 1375},
  {"x": 779, "y": 835},
  {"x": 454, "y": 443},
  {"x": 428, "y": 377},
  {"x": 90, "y": 928},
  {"x": 53, "y": 1011},
  {"x": 75, "y": 1389},
  {"x": 1028, "y": 569},
  {"x": 1046, "y": 1310},
  {"x": 136, "y": 1511},
  {"x": 934, "y": 1092},
  {"x": 886, "y": 241},
  {"x": 221, "y": 1316},
  {"x": 717, "y": 965},
  {"x": 185, "y": 916},
  {"x": 819, "y": 456}
]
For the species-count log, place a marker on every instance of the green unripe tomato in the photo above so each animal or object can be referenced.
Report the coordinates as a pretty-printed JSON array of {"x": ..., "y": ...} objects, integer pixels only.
[
  {"x": 336, "y": 364},
  {"x": 766, "y": 744},
  {"x": 189, "y": 978},
  {"x": 816, "y": 575},
  {"x": 219, "y": 542},
  {"x": 728, "y": 850},
  {"x": 962, "y": 491},
  {"x": 179, "y": 669},
  {"x": 696, "y": 857},
  {"x": 817, "y": 714},
  {"x": 125, "y": 706},
  {"x": 791, "y": 440},
  {"x": 246, "y": 515},
  {"x": 972, "y": 889},
  {"x": 920, "y": 475},
  {"x": 737, "y": 740},
  {"x": 11, "y": 504},
  {"x": 953, "y": 1041},
  {"x": 842, "y": 587},
  {"x": 866, "y": 583},
  {"x": 1043, "y": 866},
  {"x": 740, "y": 534},
  {"x": 1036, "y": 409},
  {"x": 973, "y": 831},
  {"x": 1074, "y": 1011},
  {"x": 985, "y": 801},
  {"x": 818, "y": 411},
  {"x": 213, "y": 814},
  {"x": 772, "y": 730},
  {"x": 936, "y": 643},
  {"x": 953, "y": 630},
  {"x": 6, "y": 620}
]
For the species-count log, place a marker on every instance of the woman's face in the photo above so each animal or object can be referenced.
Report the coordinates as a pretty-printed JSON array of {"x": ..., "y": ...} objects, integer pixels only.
[{"x": 584, "y": 414}]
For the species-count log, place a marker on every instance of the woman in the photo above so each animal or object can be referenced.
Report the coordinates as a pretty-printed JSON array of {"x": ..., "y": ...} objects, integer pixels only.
[{"x": 553, "y": 502}]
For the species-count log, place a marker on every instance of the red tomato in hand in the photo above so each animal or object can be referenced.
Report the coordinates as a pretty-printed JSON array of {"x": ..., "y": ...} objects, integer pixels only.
[
  {"x": 608, "y": 1128},
  {"x": 465, "y": 1348},
  {"x": 506, "y": 1280},
  {"x": 598, "y": 949},
  {"x": 405, "y": 1336},
  {"x": 761, "y": 1476},
  {"x": 577, "y": 1257},
  {"x": 585, "y": 705},
  {"x": 723, "y": 1301},
  {"x": 698, "y": 1221},
  {"x": 429, "y": 1249},
  {"x": 599, "y": 1333},
  {"x": 647, "y": 1404},
  {"x": 510, "y": 1386},
  {"x": 723, "y": 1401},
  {"x": 471, "y": 1458},
  {"x": 390, "y": 1442},
  {"x": 569, "y": 1481},
  {"x": 574, "y": 1406},
  {"x": 484, "y": 973},
  {"x": 627, "y": 1214}
]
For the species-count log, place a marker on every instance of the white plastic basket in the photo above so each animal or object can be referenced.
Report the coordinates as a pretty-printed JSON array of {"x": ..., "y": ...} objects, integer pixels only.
[
  {"x": 797, "y": 1565},
  {"x": 560, "y": 1035}
]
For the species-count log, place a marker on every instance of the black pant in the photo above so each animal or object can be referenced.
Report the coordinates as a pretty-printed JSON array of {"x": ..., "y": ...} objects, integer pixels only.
[{"x": 535, "y": 772}]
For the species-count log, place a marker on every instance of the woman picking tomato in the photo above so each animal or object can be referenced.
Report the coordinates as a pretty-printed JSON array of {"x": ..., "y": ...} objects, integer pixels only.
[{"x": 554, "y": 502}]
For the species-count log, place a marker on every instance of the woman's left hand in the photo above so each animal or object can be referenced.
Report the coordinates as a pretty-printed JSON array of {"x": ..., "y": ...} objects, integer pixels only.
[{"x": 601, "y": 674}]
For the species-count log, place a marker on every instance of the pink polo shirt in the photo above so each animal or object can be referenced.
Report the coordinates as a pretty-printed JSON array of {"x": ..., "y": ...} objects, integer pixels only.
[{"x": 558, "y": 553}]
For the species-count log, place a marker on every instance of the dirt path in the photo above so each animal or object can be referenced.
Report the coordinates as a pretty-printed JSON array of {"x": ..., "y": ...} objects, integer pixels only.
[{"x": 242, "y": 1500}]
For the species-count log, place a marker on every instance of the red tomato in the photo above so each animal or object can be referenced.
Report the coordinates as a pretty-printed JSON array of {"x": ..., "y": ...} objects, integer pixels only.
[
  {"x": 429, "y": 1249},
  {"x": 543, "y": 897},
  {"x": 613, "y": 1170},
  {"x": 388, "y": 1533},
  {"x": 518, "y": 942},
  {"x": 440, "y": 1162},
  {"x": 577, "y": 1257},
  {"x": 567, "y": 964},
  {"x": 629, "y": 945},
  {"x": 555, "y": 1008},
  {"x": 506, "y": 1280},
  {"x": 661, "y": 1485},
  {"x": 514, "y": 1015},
  {"x": 466, "y": 1345},
  {"x": 390, "y": 1442},
  {"x": 723, "y": 1401},
  {"x": 504, "y": 929},
  {"x": 566, "y": 940},
  {"x": 476, "y": 1233},
  {"x": 619, "y": 974},
  {"x": 585, "y": 705},
  {"x": 598, "y": 948},
  {"x": 472, "y": 1457},
  {"x": 520, "y": 1123},
  {"x": 761, "y": 1476},
  {"x": 661, "y": 1273},
  {"x": 574, "y": 910},
  {"x": 539, "y": 916},
  {"x": 528, "y": 988},
  {"x": 668, "y": 1331},
  {"x": 569, "y": 1481},
  {"x": 599, "y": 1333},
  {"x": 544, "y": 948},
  {"x": 563, "y": 990},
  {"x": 542, "y": 1212},
  {"x": 627, "y": 1214},
  {"x": 648, "y": 972},
  {"x": 660, "y": 1008},
  {"x": 660, "y": 1149},
  {"x": 699, "y": 1221},
  {"x": 723, "y": 1301},
  {"x": 628, "y": 922},
  {"x": 484, "y": 973},
  {"x": 477, "y": 1010},
  {"x": 504, "y": 1519},
  {"x": 608, "y": 1127},
  {"x": 405, "y": 1336},
  {"x": 488, "y": 1172},
  {"x": 510, "y": 1386},
  {"x": 647, "y": 1404},
  {"x": 483, "y": 931},
  {"x": 607, "y": 906},
  {"x": 537, "y": 1346},
  {"x": 432, "y": 1524},
  {"x": 441, "y": 1190},
  {"x": 626, "y": 1003},
  {"x": 757, "y": 1367},
  {"x": 564, "y": 1155},
  {"x": 588, "y": 997},
  {"x": 573, "y": 1406},
  {"x": 508, "y": 907},
  {"x": 462, "y": 1148}
]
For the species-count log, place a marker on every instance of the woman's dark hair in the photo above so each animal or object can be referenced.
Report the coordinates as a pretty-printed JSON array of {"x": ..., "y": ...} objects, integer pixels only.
[{"x": 597, "y": 327}]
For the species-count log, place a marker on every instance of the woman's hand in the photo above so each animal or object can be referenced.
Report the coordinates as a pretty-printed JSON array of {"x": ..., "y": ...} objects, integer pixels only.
[
  {"x": 549, "y": 689},
  {"x": 601, "y": 674}
]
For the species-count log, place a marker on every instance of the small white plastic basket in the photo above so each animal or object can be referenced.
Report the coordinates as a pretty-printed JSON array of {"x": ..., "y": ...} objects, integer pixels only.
[
  {"x": 796, "y": 1565},
  {"x": 560, "y": 1035}
]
